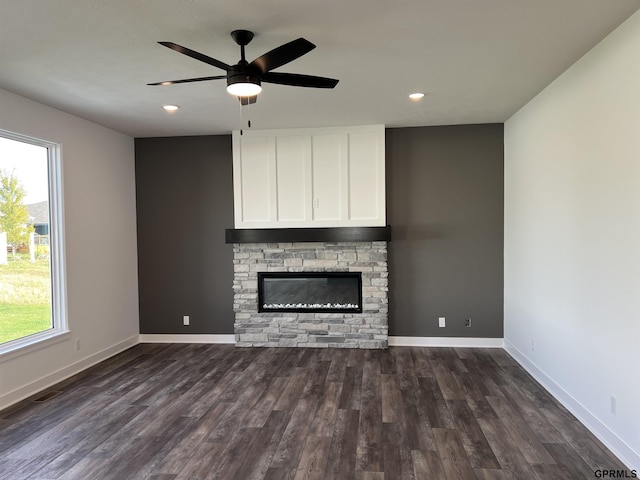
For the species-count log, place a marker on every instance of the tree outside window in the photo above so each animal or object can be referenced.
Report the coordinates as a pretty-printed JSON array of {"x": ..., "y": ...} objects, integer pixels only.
[{"x": 14, "y": 216}]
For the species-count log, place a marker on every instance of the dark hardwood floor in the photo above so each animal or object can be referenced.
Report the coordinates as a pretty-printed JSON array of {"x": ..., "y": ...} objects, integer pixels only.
[{"x": 166, "y": 412}]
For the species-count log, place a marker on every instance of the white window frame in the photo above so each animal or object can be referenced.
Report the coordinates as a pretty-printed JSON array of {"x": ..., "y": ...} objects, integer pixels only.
[{"x": 60, "y": 330}]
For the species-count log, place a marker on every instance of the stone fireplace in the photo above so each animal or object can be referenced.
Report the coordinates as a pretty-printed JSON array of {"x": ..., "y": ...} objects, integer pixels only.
[
  {"x": 296, "y": 327},
  {"x": 312, "y": 201}
]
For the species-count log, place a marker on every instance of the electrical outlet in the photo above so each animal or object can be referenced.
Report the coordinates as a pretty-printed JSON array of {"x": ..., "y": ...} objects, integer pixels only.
[
  {"x": 77, "y": 344},
  {"x": 467, "y": 322},
  {"x": 185, "y": 320},
  {"x": 533, "y": 345},
  {"x": 441, "y": 322},
  {"x": 614, "y": 405}
]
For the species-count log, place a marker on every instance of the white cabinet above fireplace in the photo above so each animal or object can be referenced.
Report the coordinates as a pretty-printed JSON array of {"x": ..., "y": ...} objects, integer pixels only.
[{"x": 303, "y": 177}]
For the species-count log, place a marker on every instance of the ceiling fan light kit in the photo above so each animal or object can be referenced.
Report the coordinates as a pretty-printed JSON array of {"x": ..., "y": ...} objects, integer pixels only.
[
  {"x": 243, "y": 86},
  {"x": 244, "y": 79}
]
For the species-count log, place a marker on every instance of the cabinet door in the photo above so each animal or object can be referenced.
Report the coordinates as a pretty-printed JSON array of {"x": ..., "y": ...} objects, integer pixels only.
[
  {"x": 253, "y": 180},
  {"x": 366, "y": 178},
  {"x": 293, "y": 178},
  {"x": 329, "y": 176}
]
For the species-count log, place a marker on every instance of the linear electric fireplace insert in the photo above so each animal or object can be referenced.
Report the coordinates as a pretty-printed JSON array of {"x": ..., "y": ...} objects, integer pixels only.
[{"x": 320, "y": 292}]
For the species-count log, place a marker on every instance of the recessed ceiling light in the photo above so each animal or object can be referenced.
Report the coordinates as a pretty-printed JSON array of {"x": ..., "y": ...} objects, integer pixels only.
[
  {"x": 170, "y": 108},
  {"x": 416, "y": 96}
]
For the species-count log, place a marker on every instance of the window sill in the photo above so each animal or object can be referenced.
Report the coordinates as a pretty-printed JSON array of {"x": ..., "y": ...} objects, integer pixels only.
[{"x": 32, "y": 343}]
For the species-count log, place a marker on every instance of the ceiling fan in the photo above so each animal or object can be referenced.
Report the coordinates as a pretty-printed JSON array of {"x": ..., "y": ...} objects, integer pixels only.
[{"x": 244, "y": 79}]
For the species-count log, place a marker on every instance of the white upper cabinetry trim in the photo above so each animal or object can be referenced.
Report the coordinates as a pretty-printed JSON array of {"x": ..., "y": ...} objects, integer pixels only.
[{"x": 309, "y": 177}]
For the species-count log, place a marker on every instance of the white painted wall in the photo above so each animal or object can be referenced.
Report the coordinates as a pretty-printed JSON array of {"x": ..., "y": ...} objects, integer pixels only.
[
  {"x": 101, "y": 254},
  {"x": 572, "y": 238}
]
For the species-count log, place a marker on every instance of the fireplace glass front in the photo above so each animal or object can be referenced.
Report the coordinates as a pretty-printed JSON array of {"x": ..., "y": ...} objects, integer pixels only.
[{"x": 313, "y": 292}]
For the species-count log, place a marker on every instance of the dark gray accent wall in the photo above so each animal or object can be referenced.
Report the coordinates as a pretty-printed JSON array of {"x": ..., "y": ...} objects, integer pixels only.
[
  {"x": 444, "y": 205},
  {"x": 184, "y": 193},
  {"x": 445, "y": 208}
]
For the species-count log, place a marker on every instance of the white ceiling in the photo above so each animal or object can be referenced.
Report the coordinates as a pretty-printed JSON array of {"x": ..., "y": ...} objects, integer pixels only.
[{"x": 478, "y": 61}]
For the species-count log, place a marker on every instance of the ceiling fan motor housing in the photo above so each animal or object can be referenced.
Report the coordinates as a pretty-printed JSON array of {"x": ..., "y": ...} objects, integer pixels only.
[{"x": 241, "y": 74}]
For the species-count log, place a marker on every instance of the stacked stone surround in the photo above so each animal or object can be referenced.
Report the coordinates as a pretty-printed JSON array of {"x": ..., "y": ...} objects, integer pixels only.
[{"x": 368, "y": 329}]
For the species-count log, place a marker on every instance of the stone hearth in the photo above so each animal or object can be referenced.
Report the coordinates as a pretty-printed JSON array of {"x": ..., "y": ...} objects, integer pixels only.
[{"x": 368, "y": 329}]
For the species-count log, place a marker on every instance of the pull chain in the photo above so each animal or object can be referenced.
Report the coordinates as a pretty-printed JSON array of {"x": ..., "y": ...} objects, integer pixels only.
[{"x": 248, "y": 114}]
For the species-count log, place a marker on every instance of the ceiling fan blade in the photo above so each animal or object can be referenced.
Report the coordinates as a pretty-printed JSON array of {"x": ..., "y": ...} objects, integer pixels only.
[
  {"x": 197, "y": 55},
  {"x": 188, "y": 80},
  {"x": 297, "y": 80},
  {"x": 248, "y": 100},
  {"x": 282, "y": 54}
]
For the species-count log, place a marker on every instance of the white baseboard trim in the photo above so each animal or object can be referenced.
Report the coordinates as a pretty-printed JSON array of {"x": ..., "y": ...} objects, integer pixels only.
[
  {"x": 19, "y": 394},
  {"x": 179, "y": 338},
  {"x": 445, "y": 342},
  {"x": 393, "y": 341},
  {"x": 623, "y": 451}
]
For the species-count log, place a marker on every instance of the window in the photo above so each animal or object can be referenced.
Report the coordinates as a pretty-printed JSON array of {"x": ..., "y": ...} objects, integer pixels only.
[{"x": 32, "y": 296}]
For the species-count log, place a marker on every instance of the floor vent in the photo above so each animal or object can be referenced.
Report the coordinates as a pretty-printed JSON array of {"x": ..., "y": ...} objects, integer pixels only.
[{"x": 45, "y": 397}]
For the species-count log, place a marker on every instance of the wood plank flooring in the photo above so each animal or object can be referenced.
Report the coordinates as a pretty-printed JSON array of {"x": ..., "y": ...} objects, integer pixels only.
[{"x": 187, "y": 412}]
